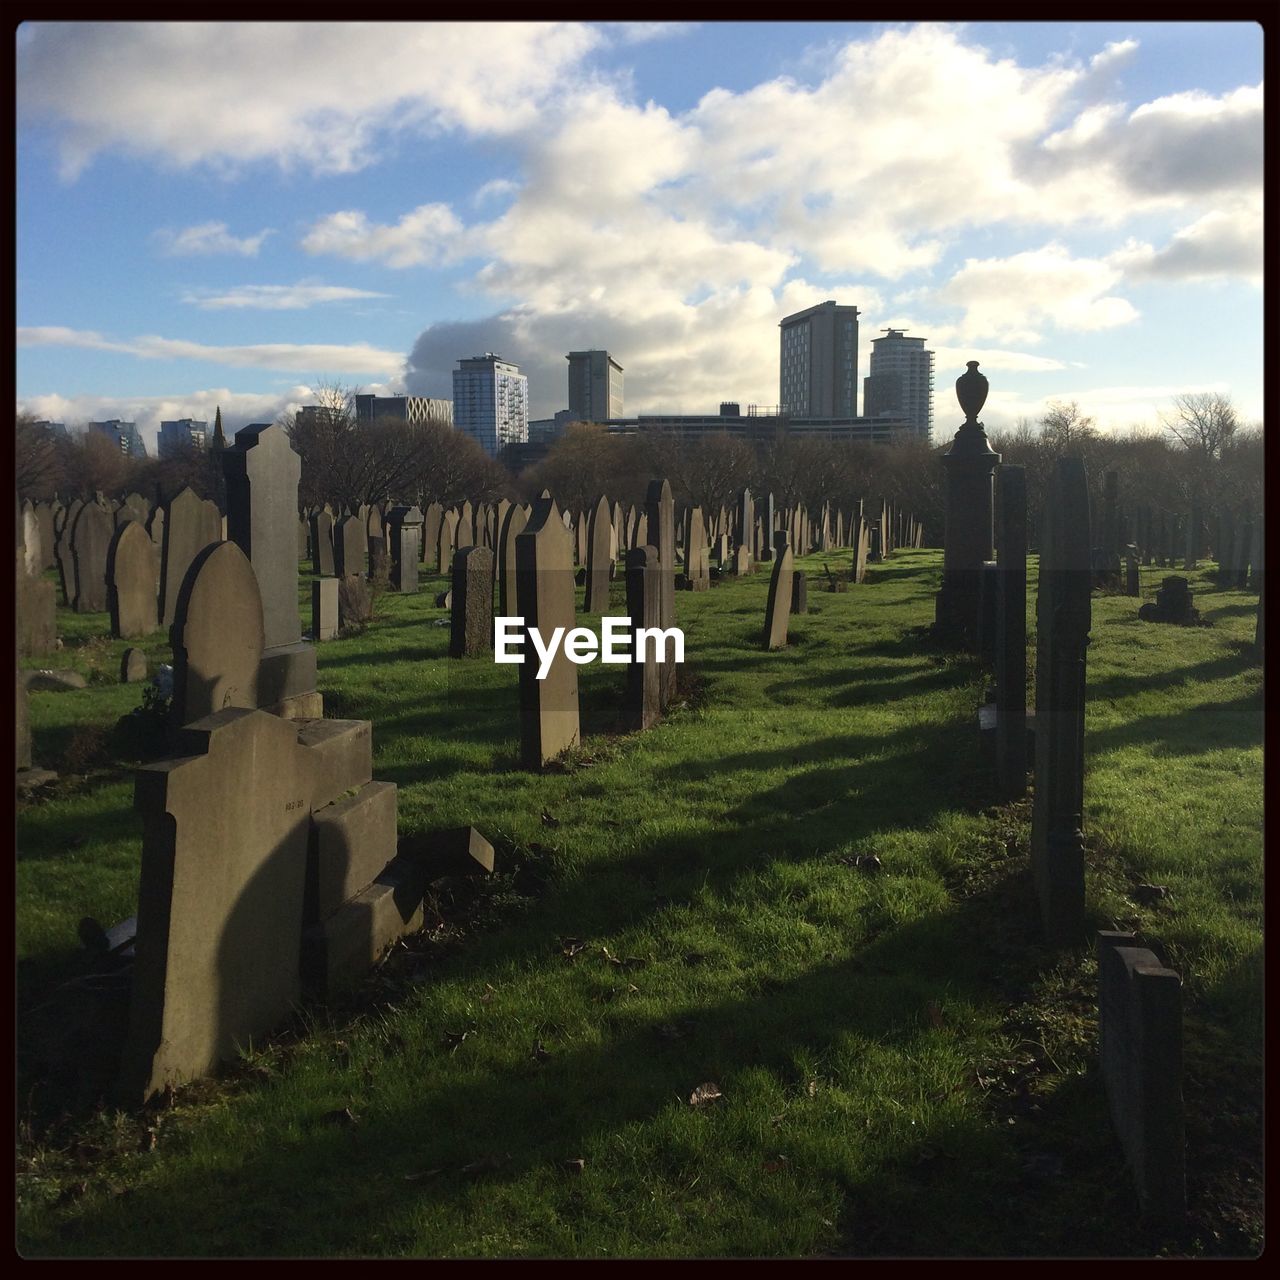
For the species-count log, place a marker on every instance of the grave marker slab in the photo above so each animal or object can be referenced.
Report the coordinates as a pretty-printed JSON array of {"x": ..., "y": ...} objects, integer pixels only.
[
  {"x": 471, "y": 616},
  {"x": 778, "y": 608},
  {"x": 132, "y": 582}
]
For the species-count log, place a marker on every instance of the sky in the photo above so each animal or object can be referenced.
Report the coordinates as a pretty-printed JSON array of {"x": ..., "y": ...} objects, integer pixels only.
[{"x": 235, "y": 214}]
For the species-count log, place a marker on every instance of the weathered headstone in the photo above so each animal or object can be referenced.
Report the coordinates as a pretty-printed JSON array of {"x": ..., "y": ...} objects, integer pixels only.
[
  {"x": 778, "y": 608},
  {"x": 545, "y": 599},
  {"x": 598, "y": 560},
  {"x": 799, "y": 592},
  {"x": 513, "y": 524},
  {"x": 644, "y": 701},
  {"x": 662, "y": 535},
  {"x": 1172, "y": 604},
  {"x": 62, "y": 553},
  {"x": 446, "y": 541},
  {"x": 44, "y": 518},
  {"x": 191, "y": 523},
  {"x": 1131, "y": 570},
  {"x": 34, "y": 602},
  {"x": 431, "y": 518},
  {"x": 697, "y": 572},
  {"x": 324, "y": 609},
  {"x": 466, "y": 531},
  {"x": 742, "y": 565},
  {"x": 986, "y": 636},
  {"x": 471, "y": 616},
  {"x": 322, "y": 564},
  {"x": 767, "y": 519},
  {"x": 744, "y": 519},
  {"x": 405, "y": 524},
  {"x": 1063, "y": 615},
  {"x": 217, "y": 635},
  {"x": 132, "y": 581},
  {"x": 1140, "y": 1044},
  {"x": 133, "y": 666},
  {"x": 350, "y": 547},
  {"x": 33, "y": 552},
  {"x": 90, "y": 541},
  {"x": 355, "y": 600}
]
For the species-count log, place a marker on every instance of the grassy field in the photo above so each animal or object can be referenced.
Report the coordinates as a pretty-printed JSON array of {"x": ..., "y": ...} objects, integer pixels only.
[{"x": 902, "y": 1069}]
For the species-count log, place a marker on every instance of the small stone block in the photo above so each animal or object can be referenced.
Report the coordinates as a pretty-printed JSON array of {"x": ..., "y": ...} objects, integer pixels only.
[
  {"x": 352, "y": 841},
  {"x": 343, "y": 754}
]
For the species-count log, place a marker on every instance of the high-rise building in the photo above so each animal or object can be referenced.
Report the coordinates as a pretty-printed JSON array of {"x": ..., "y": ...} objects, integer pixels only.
[
  {"x": 180, "y": 435},
  {"x": 415, "y": 410},
  {"x": 491, "y": 402},
  {"x": 123, "y": 434},
  {"x": 818, "y": 368},
  {"x": 901, "y": 381},
  {"x": 595, "y": 386}
]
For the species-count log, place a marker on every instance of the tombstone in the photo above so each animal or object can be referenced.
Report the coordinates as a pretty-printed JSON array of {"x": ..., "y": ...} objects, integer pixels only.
[
  {"x": 500, "y": 509},
  {"x": 466, "y": 531},
  {"x": 768, "y": 518},
  {"x": 322, "y": 560},
  {"x": 1010, "y": 657},
  {"x": 444, "y": 599},
  {"x": 643, "y": 700},
  {"x": 595, "y": 542},
  {"x": 580, "y": 538},
  {"x": 744, "y": 519},
  {"x": 968, "y": 466},
  {"x": 155, "y": 529},
  {"x": 1243, "y": 549},
  {"x": 324, "y": 609},
  {"x": 1062, "y": 634},
  {"x": 1131, "y": 570},
  {"x": 304, "y": 538},
  {"x": 862, "y": 550},
  {"x": 262, "y": 473},
  {"x": 722, "y": 552},
  {"x": 545, "y": 598},
  {"x": 90, "y": 542},
  {"x": 44, "y": 518},
  {"x": 778, "y": 606},
  {"x": 471, "y": 617},
  {"x": 1172, "y": 604},
  {"x": 405, "y": 527},
  {"x": 217, "y": 635},
  {"x": 697, "y": 572},
  {"x": 355, "y": 601},
  {"x": 799, "y": 592},
  {"x": 431, "y": 519},
  {"x": 1140, "y": 1045},
  {"x": 191, "y": 523},
  {"x": 986, "y": 637},
  {"x": 62, "y": 553},
  {"x": 376, "y": 544},
  {"x": 34, "y": 602},
  {"x": 132, "y": 581},
  {"x": 660, "y": 516},
  {"x": 742, "y": 566},
  {"x": 224, "y": 862},
  {"x": 874, "y": 555},
  {"x": 133, "y": 666},
  {"x": 615, "y": 533},
  {"x": 350, "y": 548},
  {"x": 33, "y": 552},
  {"x": 513, "y": 524},
  {"x": 446, "y": 541}
]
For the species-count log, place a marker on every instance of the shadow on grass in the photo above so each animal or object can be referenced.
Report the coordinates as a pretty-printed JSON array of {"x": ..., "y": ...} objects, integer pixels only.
[
  {"x": 1121, "y": 686},
  {"x": 1238, "y": 723}
]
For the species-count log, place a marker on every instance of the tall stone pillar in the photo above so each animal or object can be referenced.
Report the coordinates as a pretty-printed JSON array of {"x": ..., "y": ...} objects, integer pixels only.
[{"x": 968, "y": 470}]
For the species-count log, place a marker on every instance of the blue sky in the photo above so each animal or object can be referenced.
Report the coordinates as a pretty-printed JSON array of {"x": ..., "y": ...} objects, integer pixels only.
[{"x": 228, "y": 214}]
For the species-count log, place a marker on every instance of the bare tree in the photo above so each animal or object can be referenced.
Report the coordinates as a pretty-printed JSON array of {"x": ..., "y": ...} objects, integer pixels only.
[{"x": 1204, "y": 421}]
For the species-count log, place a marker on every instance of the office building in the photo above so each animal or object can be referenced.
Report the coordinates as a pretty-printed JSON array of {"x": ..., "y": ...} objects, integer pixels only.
[
  {"x": 763, "y": 425},
  {"x": 818, "y": 366},
  {"x": 900, "y": 383},
  {"x": 491, "y": 402},
  {"x": 595, "y": 386},
  {"x": 415, "y": 410},
  {"x": 123, "y": 434},
  {"x": 180, "y": 435}
]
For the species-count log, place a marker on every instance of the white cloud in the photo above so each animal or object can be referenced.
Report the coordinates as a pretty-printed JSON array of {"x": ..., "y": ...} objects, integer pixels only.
[
  {"x": 276, "y": 297},
  {"x": 643, "y": 32},
  {"x": 424, "y": 236},
  {"x": 1012, "y": 299},
  {"x": 209, "y": 238},
  {"x": 317, "y": 95},
  {"x": 1224, "y": 244},
  {"x": 356, "y": 357}
]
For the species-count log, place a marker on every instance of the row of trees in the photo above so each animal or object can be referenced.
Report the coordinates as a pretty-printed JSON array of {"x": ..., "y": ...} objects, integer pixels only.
[{"x": 1203, "y": 455}]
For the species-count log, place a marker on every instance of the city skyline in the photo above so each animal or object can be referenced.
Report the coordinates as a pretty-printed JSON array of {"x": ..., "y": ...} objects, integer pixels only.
[{"x": 551, "y": 188}]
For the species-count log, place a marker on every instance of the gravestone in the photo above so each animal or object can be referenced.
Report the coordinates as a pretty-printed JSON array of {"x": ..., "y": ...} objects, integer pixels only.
[
  {"x": 350, "y": 548},
  {"x": 431, "y": 519},
  {"x": 1131, "y": 570},
  {"x": 322, "y": 563},
  {"x": 596, "y": 536},
  {"x": 862, "y": 549},
  {"x": 580, "y": 529},
  {"x": 446, "y": 541},
  {"x": 217, "y": 635},
  {"x": 1011, "y": 631},
  {"x": 90, "y": 542},
  {"x": 1172, "y": 604},
  {"x": 799, "y": 592},
  {"x": 545, "y": 597},
  {"x": 62, "y": 553},
  {"x": 405, "y": 525},
  {"x": 644, "y": 700},
  {"x": 155, "y": 528},
  {"x": 1140, "y": 1044},
  {"x": 262, "y": 472},
  {"x": 132, "y": 581},
  {"x": 355, "y": 600},
  {"x": 986, "y": 638},
  {"x": 191, "y": 523},
  {"x": 742, "y": 566},
  {"x": 133, "y": 666},
  {"x": 1063, "y": 615},
  {"x": 513, "y": 525},
  {"x": 778, "y": 608},
  {"x": 304, "y": 538},
  {"x": 34, "y": 602},
  {"x": 471, "y": 616},
  {"x": 767, "y": 518},
  {"x": 33, "y": 553},
  {"x": 324, "y": 609},
  {"x": 697, "y": 572},
  {"x": 224, "y": 861},
  {"x": 744, "y": 520},
  {"x": 44, "y": 518},
  {"x": 615, "y": 533},
  {"x": 660, "y": 515},
  {"x": 466, "y": 530}
]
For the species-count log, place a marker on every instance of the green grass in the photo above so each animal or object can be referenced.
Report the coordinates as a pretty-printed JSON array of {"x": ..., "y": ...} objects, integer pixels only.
[{"x": 903, "y": 1069}]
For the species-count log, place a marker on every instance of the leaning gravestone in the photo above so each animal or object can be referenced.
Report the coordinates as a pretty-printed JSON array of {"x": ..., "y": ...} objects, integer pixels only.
[
  {"x": 1140, "y": 1042},
  {"x": 471, "y": 616},
  {"x": 90, "y": 541},
  {"x": 598, "y": 560},
  {"x": 132, "y": 580},
  {"x": 405, "y": 523},
  {"x": 545, "y": 595},
  {"x": 1062, "y": 634},
  {"x": 643, "y": 702},
  {"x": 513, "y": 525},
  {"x": 778, "y": 608},
  {"x": 190, "y": 524},
  {"x": 224, "y": 864},
  {"x": 217, "y": 635}
]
